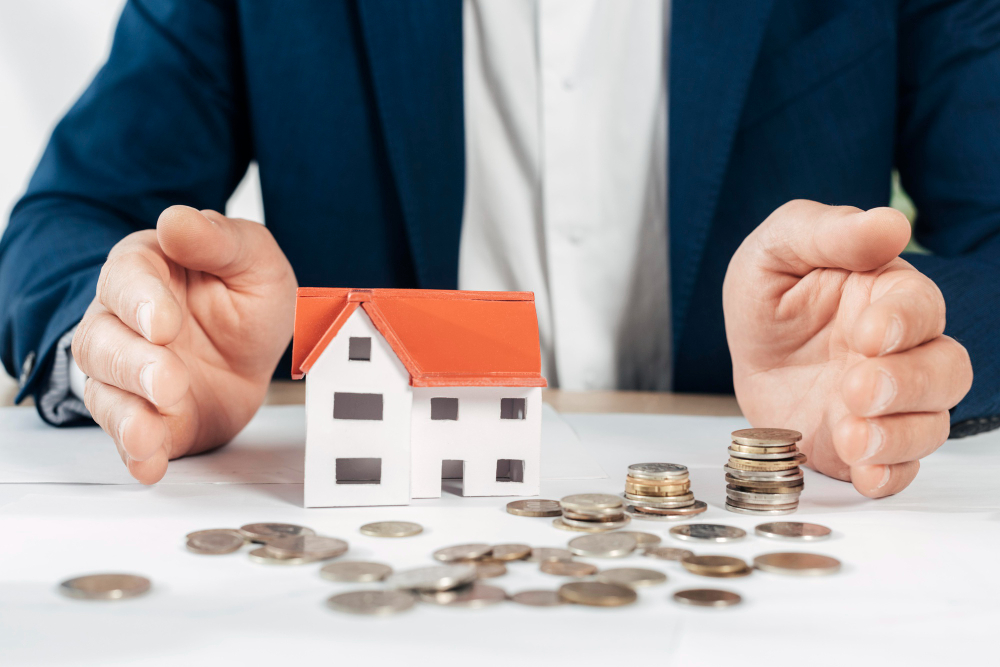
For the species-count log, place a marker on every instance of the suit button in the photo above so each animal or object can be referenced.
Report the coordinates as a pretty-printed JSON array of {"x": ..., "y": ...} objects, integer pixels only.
[{"x": 26, "y": 367}]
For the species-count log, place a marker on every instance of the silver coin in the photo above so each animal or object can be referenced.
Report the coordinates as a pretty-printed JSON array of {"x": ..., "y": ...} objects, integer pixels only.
[
  {"x": 598, "y": 527},
  {"x": 761, "y": 457},
  {"x": 707, "y": 597},
  {"x": 391, "y": 529},
  {"x": 471, "y": 596},
  {"x": 534, "y": 507},
  {"x": 793, "y": 531},
  {"x": 697, "y": 507},
  {"x": 213, "y": 531},
  {"x": 658, "y": 471},
  {"x": 434, "y": 578},
  {"x": 508, "y": 552},
  {"x": 215, "y": 542},
  {"x": 667, "y": 553},
  {"x": 596, "y": 515},
  {"x": 605, "y": 545},
  {"x": 765, "y": 437},
  {"x": 490, "y": 569},
  {"x": 312, "y": 547},
  {"x": 264, "y": 532},
  {"x": 355, "y": 571},
  {"x": 372, "y": 603},
  {"x": 264, "y": 557},
  {"x": 667, "y": 502},
  {"x": 105, "y": 586},
  {"x": 636, "y": 577},
  {"x": 798, "y": 564},
  {"x": 756, "y": 486},
  {"x": 583, "y": 502},
  {"x": 643, "y": 540},
  {"x": 762, "y": 498},
  {"x": 538, "y": 598},
  {"x": 542, "y": 554},
  {"x": 462, "y": 552},
  {"x": 793, "y": 475},
  {"x": 775, "y": 512},
  {"x": 647, "y": 516},
  {"x": 708, "y": 532}
]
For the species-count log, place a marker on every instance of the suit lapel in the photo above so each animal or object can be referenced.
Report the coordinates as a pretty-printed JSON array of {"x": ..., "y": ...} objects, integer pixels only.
[
  {"x": 713, "y": 49},
  {"x": 415, "y": 55}
]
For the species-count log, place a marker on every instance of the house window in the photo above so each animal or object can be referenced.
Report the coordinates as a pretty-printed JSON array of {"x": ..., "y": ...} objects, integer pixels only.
[
  {"x": 444, "y": 408},
  {"x": 512, "y": 408},
  {"x": 510, "y": 470},
  {"x": 357, "y": 406},
  {"x": 359, "y": 349},
  {"x": 359, "y": 471}
]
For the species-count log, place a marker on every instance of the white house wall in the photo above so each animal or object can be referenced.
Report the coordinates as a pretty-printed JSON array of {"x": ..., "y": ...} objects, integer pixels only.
[
  {"x": 479, "y": 437},
  {"x": 329, "y": 439}
]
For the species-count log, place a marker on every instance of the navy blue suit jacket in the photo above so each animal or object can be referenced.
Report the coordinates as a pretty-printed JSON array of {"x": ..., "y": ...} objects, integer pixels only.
[{"x": 353, "y": 110}]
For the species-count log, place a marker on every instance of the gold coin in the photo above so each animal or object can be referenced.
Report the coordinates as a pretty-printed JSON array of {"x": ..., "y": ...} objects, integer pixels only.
[
  {"x": 745, "y": 449},
  {"x": 795, "y": 563},
  {"x": 542, "y": 554},
  {"x": 633, "y": 577},
  {"x": 505, "y": 552},
  {"x": 105, "y": 586},
  {"x": 538, "y": 598},
  {"x": 657, "y": 491},
  {"x": 707, "y": 597},
  {"x": 713, "y": 566},
  {"x": 263, "y": 532},
  {"x": 391, "y": 529},
  {"x": 767, "y": 466},
  {"x": 602, "y": 518},
  {"x": 567, "y": 568},
  {"x": 657, "y": 482},
  {"x": 762, "y": 437},
  {"x": 534, "y": 507},
  {"x": 597, "y": 594}
]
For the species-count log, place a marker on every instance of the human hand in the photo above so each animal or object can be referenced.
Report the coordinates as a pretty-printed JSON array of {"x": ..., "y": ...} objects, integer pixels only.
[
  {"x": 834, "y": 335},
  {"x": 181, "y": 340}
]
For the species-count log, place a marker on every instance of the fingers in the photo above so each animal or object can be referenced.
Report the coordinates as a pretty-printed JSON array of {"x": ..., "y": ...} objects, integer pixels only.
[
  {"x": 892, "y": 439},
  {"x": 932, "y": 377},
  {"x": 136, "y": 427},
  {"x": 909, "y": 313},
  {"x": 134, "y": 290},
  {"x": 242, "y": 253},
  {"x": 804, "y": 235},
  {"x": 879, "y": 481},
  {"x": 108, "y": 351}
]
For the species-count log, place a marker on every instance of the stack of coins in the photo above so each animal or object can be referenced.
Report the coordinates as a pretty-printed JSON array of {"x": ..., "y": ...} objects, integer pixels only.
[
  {"x": 763, "y": 472},
  {"x": 660, "y": 491},
  {"x": 591, "y": 513}
]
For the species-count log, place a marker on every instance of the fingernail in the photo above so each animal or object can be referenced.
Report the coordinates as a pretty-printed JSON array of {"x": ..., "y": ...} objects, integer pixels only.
[
  {"x": 121, "y": 431},
  {"x": 885, "y": 391},
  {"x": 875, "y": 439},
  {"x": 146, "y": 380},
  {"x": 885, "y": 477},
  {"x": 893, "y": 335},
  {"x": 144, "y": 316}
]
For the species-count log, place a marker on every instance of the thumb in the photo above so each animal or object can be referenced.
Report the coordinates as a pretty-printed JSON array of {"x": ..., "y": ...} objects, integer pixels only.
[
  {"x": 805, "y": 235},
  {"x": 240, "y": 252}
]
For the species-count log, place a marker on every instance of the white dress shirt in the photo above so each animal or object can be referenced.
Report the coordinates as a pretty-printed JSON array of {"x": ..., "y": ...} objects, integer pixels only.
[{"x": 566, "y": 154}]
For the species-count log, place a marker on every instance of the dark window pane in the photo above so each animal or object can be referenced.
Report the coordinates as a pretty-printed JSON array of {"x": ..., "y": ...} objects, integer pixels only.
[
  {"x": 359, "y": 349},
  {"x": 359, "y": 471},
  {"x": 512, "y": 408},
  {"x": 444, "y": 408},
  {"x": 357, "y": 406},
  {"x": 510, "y": 470}
]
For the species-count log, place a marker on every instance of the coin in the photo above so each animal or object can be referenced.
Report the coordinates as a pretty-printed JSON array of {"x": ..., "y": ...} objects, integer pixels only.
[
  {"x": 602, "y": 518},
  {"x": 793, "y": 530},
  {"x": 707, "y": 597},
  {"x": 665, "y": 513},
  {"x": 355, "y": 571},
  {"x": 753, "y": 512},
  {"x": 767, "y": 466},
  {"x": 584, "y": 502},
  {"x": 597, "y": 594},
  {"x": 667, "y": 553},
  {"x": 312, "y": 547},
  {"x": 538, "y": 598},
  {"x": 567, "y": 568},
  {"x": 641, "y": 513},
  {"x": 471, "y": 596},
  {"x": 659, "y": 483},
  {"x": 606, "y": 545},
  {"x": 642, "y": 540},
  {"x": 762, "y": 487},
  {"x": 105, "y": 586},
  {"x": 264, "y": 557},
  {"x": 657, "y": 470},
  {"x": 762, "y": 498},
  {"x": 263, "y": 532},
  {"x": 745, "y": 449},
  {"x": 782, "y": 476},
  {"x": 656, "y": 491},
  {"x": 708, "y": 532},
  {"x": 490, "y": 569},
  {"x": 771, "y": 456},
  {"x": 462, "y": 552},
  {"x": 795, "y": 563},
  {"x": 672, "y": 502},
  {"x": 510, "y": 551},
  {"x": 635, "y": 577},
  {"x": 713, "y": 566},
  {"x": 434, "y": 578},
  {"x": 594, "y": 525},
  {"x": 597, "y": 527},
  {"x": 534, "y": 507},
  {"x": 391, "y": 529},
  {"x": 214, "y": 531},
  {"x": 215, "y": 542},
  {"x": 762, "y": 437},
  {"x": 542, "y": 554},
  {"x": 372, "y": 603}
]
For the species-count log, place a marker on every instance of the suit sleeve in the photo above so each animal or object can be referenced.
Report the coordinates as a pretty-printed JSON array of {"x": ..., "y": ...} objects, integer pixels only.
[
  {"x": 163, "y": 123},
  {"x": 948, "y": 155}
]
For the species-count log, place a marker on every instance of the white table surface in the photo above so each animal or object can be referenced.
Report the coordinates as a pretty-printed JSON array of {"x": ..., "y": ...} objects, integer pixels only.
[{"x": 919, "y": 583}]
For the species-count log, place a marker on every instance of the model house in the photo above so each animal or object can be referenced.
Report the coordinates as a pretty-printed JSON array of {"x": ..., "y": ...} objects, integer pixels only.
[{"x": 407, "y": 388}]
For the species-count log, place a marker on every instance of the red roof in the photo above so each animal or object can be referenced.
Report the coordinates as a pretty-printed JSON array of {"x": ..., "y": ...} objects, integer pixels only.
[{"x": 444, "y": 338}]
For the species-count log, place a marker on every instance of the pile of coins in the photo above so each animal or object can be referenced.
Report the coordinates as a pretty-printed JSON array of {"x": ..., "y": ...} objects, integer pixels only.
[
  {"x": 763, "y": 475},
  {"x": 591, "y": 513},
  {"x": 660, "y": 492}
]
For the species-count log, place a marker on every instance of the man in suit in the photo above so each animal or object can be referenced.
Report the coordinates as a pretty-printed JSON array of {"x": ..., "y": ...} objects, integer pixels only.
[{"x": 531, "y": 144}]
